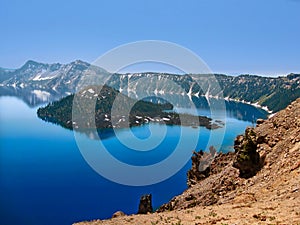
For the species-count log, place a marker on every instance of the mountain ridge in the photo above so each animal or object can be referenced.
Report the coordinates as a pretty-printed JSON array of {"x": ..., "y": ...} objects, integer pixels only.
[
  {"x": 274, "y": 93},
  {"x": 31, "y": 61}
]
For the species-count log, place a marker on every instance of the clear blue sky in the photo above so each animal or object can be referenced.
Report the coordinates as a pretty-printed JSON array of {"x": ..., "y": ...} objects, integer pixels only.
[{"x": 231, "y": 36}]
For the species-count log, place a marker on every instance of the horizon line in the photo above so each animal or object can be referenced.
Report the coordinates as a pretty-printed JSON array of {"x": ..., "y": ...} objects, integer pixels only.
[{"x": 261, "y": 74}]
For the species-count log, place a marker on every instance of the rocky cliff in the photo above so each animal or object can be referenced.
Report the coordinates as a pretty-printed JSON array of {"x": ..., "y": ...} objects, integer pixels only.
[{"x": 269, "y": 194}]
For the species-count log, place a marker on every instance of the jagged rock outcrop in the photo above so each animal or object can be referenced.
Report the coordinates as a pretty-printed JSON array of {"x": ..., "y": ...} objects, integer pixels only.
[
  {"x": 271, "y": 196},
  {"x": 145, "y": 205},
  {"x": 260, "y": 156},
  {"x": 247, "y": 159},
  {"x": 200, "y": 166},
  {"x": 221, "y": 178}
]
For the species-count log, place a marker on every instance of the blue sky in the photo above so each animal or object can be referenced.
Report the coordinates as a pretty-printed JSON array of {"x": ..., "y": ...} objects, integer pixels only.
[{"x": 231, "y": 36}]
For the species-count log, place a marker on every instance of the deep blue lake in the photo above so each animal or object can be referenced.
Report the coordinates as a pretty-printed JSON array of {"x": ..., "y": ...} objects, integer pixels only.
[{"x": 44, "y": 179}]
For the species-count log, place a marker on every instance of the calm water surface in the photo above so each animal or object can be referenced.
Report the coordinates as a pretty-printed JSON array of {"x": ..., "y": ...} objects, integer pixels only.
[{"x": 44, "y": 179}]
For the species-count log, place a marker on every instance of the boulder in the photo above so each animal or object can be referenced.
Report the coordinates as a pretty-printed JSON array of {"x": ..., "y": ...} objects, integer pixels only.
[
  {"x": 118, "y": 214},
  {"x": 260, "y": 121}
]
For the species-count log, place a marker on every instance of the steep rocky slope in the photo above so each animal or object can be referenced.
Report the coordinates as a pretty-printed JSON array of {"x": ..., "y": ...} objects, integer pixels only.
[{"x": 271, "y": 195}]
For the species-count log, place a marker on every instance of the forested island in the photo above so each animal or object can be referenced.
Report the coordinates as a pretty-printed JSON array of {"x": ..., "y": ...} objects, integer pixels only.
[{"x": 101, "y": 116}]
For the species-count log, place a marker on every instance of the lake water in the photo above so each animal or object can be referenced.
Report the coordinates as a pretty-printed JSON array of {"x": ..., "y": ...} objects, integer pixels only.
[{"x": 44, "y": 179}]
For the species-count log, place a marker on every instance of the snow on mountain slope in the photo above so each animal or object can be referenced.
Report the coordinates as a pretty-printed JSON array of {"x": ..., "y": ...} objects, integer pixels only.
[{"x": 274, "y": 93}]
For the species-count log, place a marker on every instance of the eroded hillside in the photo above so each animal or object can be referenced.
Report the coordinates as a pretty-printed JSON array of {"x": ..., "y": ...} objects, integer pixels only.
[{"x": 223, "y": 196}]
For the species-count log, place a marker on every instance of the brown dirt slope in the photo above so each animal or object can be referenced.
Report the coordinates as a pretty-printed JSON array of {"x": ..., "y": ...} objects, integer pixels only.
[{"x": 272, "y": 196}]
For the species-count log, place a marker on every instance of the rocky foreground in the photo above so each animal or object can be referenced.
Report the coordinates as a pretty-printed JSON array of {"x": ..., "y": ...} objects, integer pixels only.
[{"x": 258, "y": 184}]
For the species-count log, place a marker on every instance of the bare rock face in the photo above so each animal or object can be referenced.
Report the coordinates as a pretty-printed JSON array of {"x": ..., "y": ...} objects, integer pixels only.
[
  {"x": 266, "y": 156},
  {"x": 194, "y": 175},
  {"x": 145, "y": 205},
  {"x": 201, "y": 162},
  {"x": 221, "y": 178},
  {"x": 247, "y": 159}
]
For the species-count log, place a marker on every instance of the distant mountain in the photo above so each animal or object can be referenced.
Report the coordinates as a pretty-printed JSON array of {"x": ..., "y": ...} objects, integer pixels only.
[
  {"x": 57, "y": 77},
  {"x": 48, "y": 82},
  {"x": 5, "y": 74},
  {"x": 275, "y": 93}
]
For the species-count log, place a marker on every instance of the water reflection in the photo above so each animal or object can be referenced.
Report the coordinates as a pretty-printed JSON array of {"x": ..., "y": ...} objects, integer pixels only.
[
  {"x": 237, "y": 110},
  {"x": 31, "y": 97}
]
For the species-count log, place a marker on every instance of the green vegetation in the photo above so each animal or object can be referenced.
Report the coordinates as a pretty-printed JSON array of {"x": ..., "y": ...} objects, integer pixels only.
[
  {"x": 275, "y": 93},
  {"x": 93, "y": 105}
]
